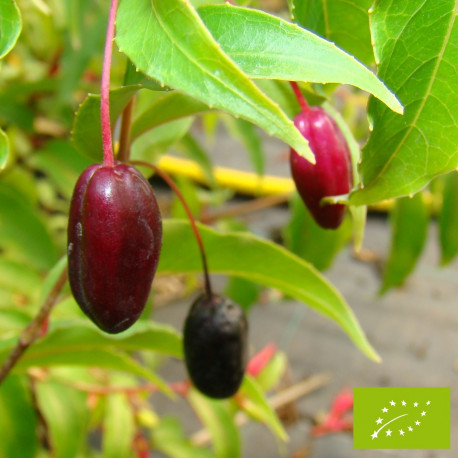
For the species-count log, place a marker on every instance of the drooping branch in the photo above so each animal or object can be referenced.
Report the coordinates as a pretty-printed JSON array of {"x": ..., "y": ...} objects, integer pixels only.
[{"x": 32, "y": 331}]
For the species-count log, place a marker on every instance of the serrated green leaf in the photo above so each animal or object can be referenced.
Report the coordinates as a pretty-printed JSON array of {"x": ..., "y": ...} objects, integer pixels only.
[
  {"x": 170, "y": 439},
  {"x": 66, "y": 415},
  {"x": 220, "y": 423},
  {"x": 265, "y": 46},
  {"x": 86, "y": 133},
  {"x": 242, "y": 291},
  {"x": 23, "y": 236},
  {"x": 345, "y": 22},
  {"x": 171, "y": 44},
  {"x": 10, "y": 25},
  {"x": 416, "y": 47},
  {"x": 118, "y": 427},
  {"x": 18, "y": 419},
  {"x": 257, "y": 407},
  {"x": 311, "y": 242},
  {"x": 244, "y": 255},
  {"x": 409, "y": 220},
  {"x": 4, "y": 149},
  {"x": 448, "y": 219}
]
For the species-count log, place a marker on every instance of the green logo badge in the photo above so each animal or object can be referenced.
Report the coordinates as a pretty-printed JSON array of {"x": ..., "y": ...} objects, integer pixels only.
[{"x": 401, "y": 418}]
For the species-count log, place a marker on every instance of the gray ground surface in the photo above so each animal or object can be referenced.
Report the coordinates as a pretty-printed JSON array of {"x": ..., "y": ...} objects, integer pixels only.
[{"x": 415, "y": 330}]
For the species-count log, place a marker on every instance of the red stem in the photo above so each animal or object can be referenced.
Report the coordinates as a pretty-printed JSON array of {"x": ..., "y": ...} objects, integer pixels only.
[
  {"x": 108, "y": 158},
  {"x": 175, "y": 189},
  {"x": 300, "y": 98}
]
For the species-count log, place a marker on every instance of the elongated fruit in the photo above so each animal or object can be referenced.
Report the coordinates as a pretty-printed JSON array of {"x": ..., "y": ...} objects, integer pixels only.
[
  {"x": 114, "y": 242},
  {"x": 215, "y": 345},
  {"x": 331, "y": 175}
]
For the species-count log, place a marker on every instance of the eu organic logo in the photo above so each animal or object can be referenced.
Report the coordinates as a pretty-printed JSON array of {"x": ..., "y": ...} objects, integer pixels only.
[{"x": 401, "y": 418}]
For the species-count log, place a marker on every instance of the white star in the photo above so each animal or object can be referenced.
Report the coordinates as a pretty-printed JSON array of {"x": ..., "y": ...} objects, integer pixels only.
[
  {"x": 415, "y": 404},
  {"x": 374, "y": 435},
  {"x": 392, "y": 403},
  {"x": 428, "y": 403},
  {"x": 423, "y": 413},
  {"x": 401, "y": 432},
  {"x": 417, "y": 423},
  {"x": 380, "y": 420},
  {"x": 404, "y": 403},
  {"x": 385, "y": 410},
  {"x": 410, "y": 428},
  {"x": 388, "y": 433}
]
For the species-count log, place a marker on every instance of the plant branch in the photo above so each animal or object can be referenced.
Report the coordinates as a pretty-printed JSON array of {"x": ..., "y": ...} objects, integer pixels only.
[
  {"x": 32, "y": 331},
  {"x": 126, "y": 126},
  {"x": 246, "y": 207},
  {"x": 175, "y": 189},
  {"x": 107, "y": 141},
  {"x": 299, "y": 96}
]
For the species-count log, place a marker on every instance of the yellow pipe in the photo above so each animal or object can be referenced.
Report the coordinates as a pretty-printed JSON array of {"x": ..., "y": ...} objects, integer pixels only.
[{"x": 248, "y": 182}]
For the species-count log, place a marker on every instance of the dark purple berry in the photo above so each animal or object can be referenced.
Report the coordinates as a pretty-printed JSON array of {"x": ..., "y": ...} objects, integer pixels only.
[
  {"x": 114, "y": 242},
  {"x": 215, "y": 345},
  {"x": 331, "y": 175}
]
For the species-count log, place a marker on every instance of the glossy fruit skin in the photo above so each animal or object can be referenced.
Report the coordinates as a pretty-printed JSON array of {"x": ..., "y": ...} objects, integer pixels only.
[
  {"x": 332, "y": 174},
  {"x": 215, "y": 345},
  {"x": 114, "y": 242}
]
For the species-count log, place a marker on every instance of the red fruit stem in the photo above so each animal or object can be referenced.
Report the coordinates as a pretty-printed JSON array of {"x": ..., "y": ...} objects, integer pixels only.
[
  {"x": 175, "y": 189},
  {"x": 299, "y": 96},
  {"x": 108, "y": 158}
]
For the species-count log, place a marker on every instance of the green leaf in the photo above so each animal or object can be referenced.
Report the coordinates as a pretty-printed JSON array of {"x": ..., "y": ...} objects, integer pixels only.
[
  {"x": 171, "y": 107},
  {"x": 66, "y": 415},
  {"x": 77, "y": 344},
  {"x": 170, "y": 439},
  {"x": 4, "y": 149},
  {"x": 150, "y": 146},
  {"x": 62, "y": 164},
  {"x": 242, "y": 291},
  {"x": 311, "y": 242},
  {"x": 86, "y": 134},
  {"x": 171, "y": 44},
  {"x": 216, "y": 418},
  {"x": 23, "y": 236},
  {"x": 416, "y": 46},
  {"x": 118, "y": 427},
  {"x": 345, "y": 22},
  {"x": 257, "y": 407},
  {"x": 272, "y": 373},
  {"x": 18, "y": 419},
  {"x": 265, "y": 46},
  {"x": 244, "y": 255},
  {"x": 448, "y": 219},
  {"x": 191, "y": 147},
  {"x": 410, "y": 220},
  {"x": 10, "y": 26},
  {"x": 246, "y": 133}
]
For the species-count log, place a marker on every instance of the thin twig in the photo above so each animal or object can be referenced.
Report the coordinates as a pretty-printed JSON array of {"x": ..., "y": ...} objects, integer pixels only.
[
  {"x": 126, "y": 126},
  {"x": 246, "y": 207},
  {"x": 286, "y": 396},
  {"x": 32, "y": 331}
]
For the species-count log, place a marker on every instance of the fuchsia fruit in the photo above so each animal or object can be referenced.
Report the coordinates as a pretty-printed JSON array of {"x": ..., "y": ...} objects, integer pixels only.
[
  {"x": 331, "y": 175},
  {"x": 114, "y": 242},
  {"x": 215, "y": 345}
]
